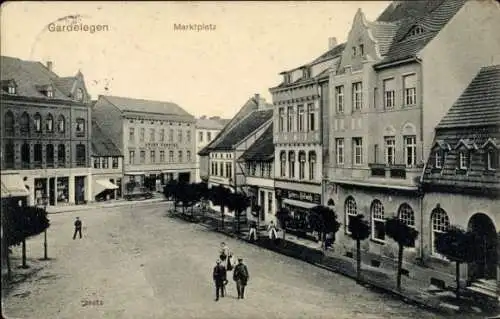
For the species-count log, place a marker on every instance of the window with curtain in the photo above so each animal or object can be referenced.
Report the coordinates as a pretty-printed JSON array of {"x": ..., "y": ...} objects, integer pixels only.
[{"x": 389, "y": 93}]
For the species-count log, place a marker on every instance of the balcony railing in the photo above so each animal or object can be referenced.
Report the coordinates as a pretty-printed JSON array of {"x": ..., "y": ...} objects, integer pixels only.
[{"x": 396, "y": 171}]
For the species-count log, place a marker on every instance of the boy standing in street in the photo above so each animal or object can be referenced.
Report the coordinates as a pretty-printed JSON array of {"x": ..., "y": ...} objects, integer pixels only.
[{"x": 78, "y": 228}]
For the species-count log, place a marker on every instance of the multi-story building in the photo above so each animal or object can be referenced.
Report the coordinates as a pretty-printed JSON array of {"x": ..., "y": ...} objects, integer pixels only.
[
  {"x": 206, "y": 130},
  {"x": 462, "y": 183},
  {"x": 394, "y": 83},
  {"x": 46, "y": 132},
  {"x": 258, "y": 161},
  {"x": 107, "y": 166},
  {"x": 299, "y": 102},
  {"x": 156, "y": 138},
  {"x": 223, "y": 153}
]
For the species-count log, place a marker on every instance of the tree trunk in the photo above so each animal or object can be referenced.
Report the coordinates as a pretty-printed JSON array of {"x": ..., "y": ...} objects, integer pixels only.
[
  {"x": 222, "y": 216},
  {"x": 358, "y": 260},
  {"x": 238, "y": 221},
  {"x": 24, "y": 265},
  {"x": 457, "y": 273},
  {"x": 400, "y": 265}
]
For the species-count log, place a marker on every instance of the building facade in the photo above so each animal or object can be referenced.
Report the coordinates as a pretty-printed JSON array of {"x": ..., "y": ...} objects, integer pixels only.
[
  {"x": 206, "y": 130},
  {"x": 46, "y": 132},
  {"x": 156, "y": 138}
]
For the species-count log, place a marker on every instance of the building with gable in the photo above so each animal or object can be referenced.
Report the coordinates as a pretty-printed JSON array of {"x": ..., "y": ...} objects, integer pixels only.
[
  {"x": 46, "y": 133},
  {"x": 206, "y": 130},
  {"x": 156, "y": 138},
  {"x": 461, "y": 182}
]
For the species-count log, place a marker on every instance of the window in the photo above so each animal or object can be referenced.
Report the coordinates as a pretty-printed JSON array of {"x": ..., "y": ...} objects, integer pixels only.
[
  {"x": 492, "y": 160},
  {"x": 438, "y": 159},
  {"x": 339, "y": 149},
  {"x": 9, "y": 154},
  {"x": 80, "y": 126},
  {"x": 179, "y": 136},
  {"x": 141, "y": 134},
  {"x": 209, "y": 136},
  {"x": 354, "y": 51},
  {"x": 38, "y": 123},
  {"x": 37, "y": 152},
  {"x": 350, "y": 211},
  {"x": 463, "y": 160},
  {"x": 179, "y": 157},
  {"x": 162, "y": 156},
  {"x": 50, "y": 92},
  {"x": 410, "y": 90},
  {"x": 300, "y": 118},
  {"x": 312, "y": 165},
  {"x": 262, "y": 169},
  {"x": 306, "y": 73},
  {"x": 200, "y": 136},
  {"x": 357, "y": 96},
  {"x": 361, "y": 49},
  {"x": 105, "y": 162},
  {"x": 378, "y": 221},
  {"x": 416, "y": 31},
  {"x": 311, "y": 117},
  {"x": 406, "y": 215},
  {"x": 339, "y": 98},
  {"x": 282, "y": 164},
  {"x": 25, "y": 155},
  {"x": 188, "y": 136},
  {"x": 289, "y": 123},
  {"x": 25, "y": 124},
  {"x": 171, "y": 156},
  {"x": 131, "y": 135},
  {"x": 115, "y": 162},
  {"x": 389, "y": 93},
  {"x": 390, "y": 149},
  {"x": 440, "y": 223},
  {"x": 410, "y": 150},
  {"x": 97, "y": 162},
  {"x": 131, "y": 157},
  {"x": 11, "y": 89},
  {"x": 81, "y": 155},
  {"x": 152, "y": 157},
  {"x": 269, "y": 202},
  {"x": 291, "y": 164},
  {"x": 61, "y": 155},
  {"x": 9, "y": 123},
  {"x": 188, "y": 156},
  {"x": 61, "y": 124},
  {"x": 142, "y": 157},
  {"x": 171, "y": 135},
  {"x": 152, "y": 134},
  {"x": 358, "y": 150},
  {"x": 281, "y": 119},
  {"x": 49, "y": 151},
  {"x": 79, "y": 95},
  {"x": 222, "y": 169},
  {"x": 302, "y": 164},
  {"x": 229, "y": 170},
  {"x": 162, "y": 135}
]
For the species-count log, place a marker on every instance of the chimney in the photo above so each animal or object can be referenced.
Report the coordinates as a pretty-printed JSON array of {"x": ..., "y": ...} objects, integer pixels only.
[
  {"x": 49, "y": 65},
  {"x": 332, "y": 42},
  {"x": 257, "y": 100}
]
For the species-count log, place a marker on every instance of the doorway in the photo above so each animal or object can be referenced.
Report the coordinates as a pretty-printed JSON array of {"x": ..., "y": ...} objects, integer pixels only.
[{"x": 484, "y": 265}]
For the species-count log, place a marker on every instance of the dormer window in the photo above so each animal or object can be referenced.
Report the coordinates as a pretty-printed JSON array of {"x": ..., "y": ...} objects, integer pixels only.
[
  {"x": 79, "y": 95},
  {"x": 492, "y": 160},
  {"x": 9, "y": 86},
  {"x": 354, "y": 52},
  {"x": 361, "y": 49},
  {"x": 288, "y": 78},
  {"x": 463, "y": 161},
  {"x": 11, "y": 89},
  {"x": 50, "y": 92},
  {"x": 416, "y": 30},
  {"x": 438, "y": 159},
  {"x": 306, "y": 73}
]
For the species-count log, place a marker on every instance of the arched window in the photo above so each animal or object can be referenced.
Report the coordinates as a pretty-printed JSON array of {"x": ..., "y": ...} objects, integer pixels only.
[
  {"x": 378, "y": 220},
  {"x": 49, "y": 123},
  {"x": 25, "y": 124},
  {"x": 406, "y": 214},
  {"x": 9, "y": 154},
  {"x": 37, "y": 154},
  {"x": 282, "y": 164},
  {"x": 80, "y": 155},
  {"x": 61, "y": 124},
  {"x": 439, "y": 223},
  {"x": 312, "y": 165},
  {"x": 302, "y": 164},
  {"x": 61, "y": 155},
  {"x": 25, "y": 155},
  {"x": 350, "y": 211},
  {"x": 38, "y": 122},
  {"x": 9, "y": 123},
  {"x": 49, "y": 151},
  {"x": 291, "y": 164}
]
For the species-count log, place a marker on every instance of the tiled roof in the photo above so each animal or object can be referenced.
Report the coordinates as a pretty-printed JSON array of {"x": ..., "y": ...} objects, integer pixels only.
[
  {"x": 241, "y": 130},
  {"x": 102, "y": 144},
  {"x": 206, "y": 123},
  {"x": 330, "y": 54},
  {"x": 384, "y": 33},
  {"x": 262, "y": 149},
  {"x": 431, "y": 15},
  {"x": 479, "y": 104},
  {"x": 65, "y": 84},
  {"x": 146, "y": 106},
  {"x": 30, "y": 76}
]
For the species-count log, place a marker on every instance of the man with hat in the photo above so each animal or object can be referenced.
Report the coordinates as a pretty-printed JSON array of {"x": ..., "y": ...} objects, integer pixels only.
[
  {"x": 241, "y": 276},
  {"x": 219, "y": 276}
]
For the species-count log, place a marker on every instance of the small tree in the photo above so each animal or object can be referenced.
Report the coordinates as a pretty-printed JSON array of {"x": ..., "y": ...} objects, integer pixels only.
[
  {"x": 219, "y": 195},
  {"x": 324, "y": 222},
  {"x": 238, "y": 203},
  {"x": 358, "y": 230},
  {"x": 402, "y": 234},
  {"x": 170, "y": 191},
  {"x": 283, "y": 216},
  {"x": 457, "y": 245}
]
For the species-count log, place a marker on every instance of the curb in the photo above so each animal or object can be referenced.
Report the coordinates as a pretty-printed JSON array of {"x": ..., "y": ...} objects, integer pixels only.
[{"x": 121, "y": 204}]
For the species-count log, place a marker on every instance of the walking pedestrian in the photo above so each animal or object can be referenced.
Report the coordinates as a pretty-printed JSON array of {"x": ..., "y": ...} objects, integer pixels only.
[
  {"x": 224, "y": 252},
  {"x": 271, "y": 228},
  {"x": 220, "y": 279},
  {"x": 241, "y": 276},
  {"x": 252, "y": 234},
  {"x": 78, "y": 228}
]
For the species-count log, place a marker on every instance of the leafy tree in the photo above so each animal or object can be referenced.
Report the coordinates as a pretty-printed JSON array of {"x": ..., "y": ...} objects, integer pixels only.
[
  {"x": 404, "y": 235},
  {"x": 171, "y": 192},
  {"x": 283, "y": 216},
  {"x": 219, "y": 196},
  {"x": 238, "y": 203},
  {"x": 359, "y": 230},
  {"x": 457, "y": 245},
  {"x": 324, "y": 221}
]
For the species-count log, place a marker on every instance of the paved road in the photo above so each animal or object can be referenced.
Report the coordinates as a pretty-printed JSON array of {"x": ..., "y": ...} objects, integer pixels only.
[{"x": 142, "y": 264}]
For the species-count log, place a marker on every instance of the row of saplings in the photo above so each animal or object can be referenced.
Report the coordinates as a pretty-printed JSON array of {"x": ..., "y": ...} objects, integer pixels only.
[{"x": 456, "y": 244}]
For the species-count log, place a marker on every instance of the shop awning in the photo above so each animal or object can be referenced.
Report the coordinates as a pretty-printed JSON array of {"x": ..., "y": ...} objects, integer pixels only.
[
  {"x": 298, "y": 203},
  {"x": 102, "y": 184},
  {"x": 13, "y": 186}
]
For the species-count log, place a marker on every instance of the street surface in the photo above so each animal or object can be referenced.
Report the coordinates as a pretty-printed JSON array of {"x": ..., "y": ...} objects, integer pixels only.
[{"x": 135, "y": 262}]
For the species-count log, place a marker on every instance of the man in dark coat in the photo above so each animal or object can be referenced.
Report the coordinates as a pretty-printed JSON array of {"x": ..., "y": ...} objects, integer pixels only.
[
  {"x": 220, "y": 278},
  {"x": 78, "y": 228},
  {"x": 241, "y": 276}
]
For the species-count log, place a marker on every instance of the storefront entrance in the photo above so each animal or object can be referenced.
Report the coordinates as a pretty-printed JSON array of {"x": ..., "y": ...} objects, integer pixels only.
[{"x": 485, "y": 263}]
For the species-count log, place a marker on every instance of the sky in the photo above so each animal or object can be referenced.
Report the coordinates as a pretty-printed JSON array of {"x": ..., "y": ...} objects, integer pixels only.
[{"x": 139, "y": 53}]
